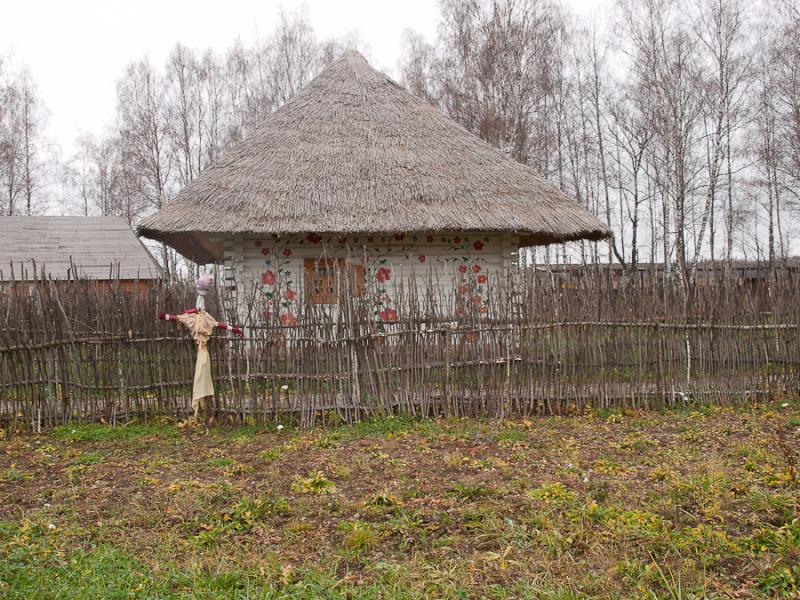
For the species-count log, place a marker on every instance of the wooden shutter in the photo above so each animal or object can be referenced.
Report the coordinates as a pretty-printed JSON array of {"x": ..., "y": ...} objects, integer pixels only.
[
  {"x": 358, "y": 285},
  {"x": 323, "y": 276}
]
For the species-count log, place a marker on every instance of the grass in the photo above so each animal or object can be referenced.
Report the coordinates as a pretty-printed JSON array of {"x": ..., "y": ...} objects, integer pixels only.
[
  {"x": 670, "y": 504},
  {"x": 95, "y": 432}
]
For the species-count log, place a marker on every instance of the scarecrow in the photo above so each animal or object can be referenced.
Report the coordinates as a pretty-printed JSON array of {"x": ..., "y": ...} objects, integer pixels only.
[{"x": 201, "y": 325}]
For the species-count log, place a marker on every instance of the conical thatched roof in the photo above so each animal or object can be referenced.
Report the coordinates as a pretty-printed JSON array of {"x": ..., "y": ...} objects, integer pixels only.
[{"x": 354, "y": 152}]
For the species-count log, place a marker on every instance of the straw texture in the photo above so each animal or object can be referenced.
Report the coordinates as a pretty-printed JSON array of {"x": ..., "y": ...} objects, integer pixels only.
[{"x": 354, "y": 152}]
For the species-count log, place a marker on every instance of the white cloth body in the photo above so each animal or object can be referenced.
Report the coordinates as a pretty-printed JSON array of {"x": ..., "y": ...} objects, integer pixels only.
[
  {"x": 200, "y": 324},
  {"x": 203, "y": 385}
]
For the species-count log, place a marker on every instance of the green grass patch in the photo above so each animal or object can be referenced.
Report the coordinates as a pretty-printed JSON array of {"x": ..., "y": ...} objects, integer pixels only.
[
  {"x": 13, "y": 474},
  {"x": 89, "y": 458}
]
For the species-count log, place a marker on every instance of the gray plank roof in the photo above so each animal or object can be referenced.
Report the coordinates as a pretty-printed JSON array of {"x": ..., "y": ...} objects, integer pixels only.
[{"x": 66, "y": 247}]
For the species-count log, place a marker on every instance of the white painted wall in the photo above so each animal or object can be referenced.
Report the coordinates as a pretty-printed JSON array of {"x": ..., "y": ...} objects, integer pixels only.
[{"x": 457, "y": 267}]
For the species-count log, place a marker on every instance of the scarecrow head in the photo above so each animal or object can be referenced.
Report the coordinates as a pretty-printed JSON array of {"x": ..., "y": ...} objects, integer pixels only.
[{"x": 203, "y": 285}]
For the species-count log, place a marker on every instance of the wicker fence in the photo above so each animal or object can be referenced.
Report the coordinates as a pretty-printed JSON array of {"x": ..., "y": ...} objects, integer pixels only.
[{"x": 76, "y": 352}]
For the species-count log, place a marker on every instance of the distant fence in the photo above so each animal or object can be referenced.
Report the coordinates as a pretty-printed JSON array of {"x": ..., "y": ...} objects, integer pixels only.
[{"x": 76, "y": 352}]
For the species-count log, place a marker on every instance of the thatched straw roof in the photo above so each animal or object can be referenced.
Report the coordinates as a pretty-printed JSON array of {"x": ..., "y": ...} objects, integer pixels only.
[{"x": 354, "y": 152}]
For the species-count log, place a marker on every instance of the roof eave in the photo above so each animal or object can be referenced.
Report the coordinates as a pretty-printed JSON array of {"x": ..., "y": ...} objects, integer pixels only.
[
  {"x": 204, "y": 247},
  {"x": 197, "y": 246}
]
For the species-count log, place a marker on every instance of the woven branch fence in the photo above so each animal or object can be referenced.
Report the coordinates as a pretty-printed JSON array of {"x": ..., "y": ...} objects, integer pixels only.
[{"x": 75, "y": 352}]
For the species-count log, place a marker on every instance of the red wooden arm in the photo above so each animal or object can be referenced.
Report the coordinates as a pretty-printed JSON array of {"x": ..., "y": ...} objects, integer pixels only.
[
  {"x": 167, "y": 317},
  {"x": 234, "y": 329}
]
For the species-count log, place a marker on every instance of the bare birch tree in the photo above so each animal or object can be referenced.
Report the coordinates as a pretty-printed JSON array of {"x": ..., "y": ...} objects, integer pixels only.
[
  {"x": 23, "y": 161},
  {"x": 144, "y": 137}
]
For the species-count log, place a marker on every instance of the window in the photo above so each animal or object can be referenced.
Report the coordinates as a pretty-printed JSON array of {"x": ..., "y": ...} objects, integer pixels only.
[{"x": 324, "y": 278}]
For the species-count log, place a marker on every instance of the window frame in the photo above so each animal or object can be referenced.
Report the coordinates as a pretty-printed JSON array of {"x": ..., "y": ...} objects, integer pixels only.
[{"x": 334, "y": 268}]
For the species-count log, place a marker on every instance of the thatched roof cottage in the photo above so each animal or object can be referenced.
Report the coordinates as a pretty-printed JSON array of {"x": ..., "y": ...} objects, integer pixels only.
[{"x": 356, "y": 166}]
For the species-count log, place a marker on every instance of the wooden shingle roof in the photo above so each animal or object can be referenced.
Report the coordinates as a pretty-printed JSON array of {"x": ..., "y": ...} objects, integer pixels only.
[{"x": 73, "y": 247}]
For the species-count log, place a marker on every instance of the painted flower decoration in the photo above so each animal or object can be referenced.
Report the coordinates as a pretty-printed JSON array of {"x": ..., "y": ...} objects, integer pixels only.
[
  {"x": 462, "y": 268},
  {"x": 389, "y": 314},
  {"x": 314, "y": 238},
  {"x": 482, "y": 279},
  {"x": 290, "y": 294},
  {"x": 288, "y": 319},
  {"x": 476, "y": 268},
  {"x": 476, "y": 299},
  {"x": 265, "y": 251},
  {"x": 383, "y": 274},
  {"x": 463, "y": 289},
  {"x": 287, "y": 252},
  {"x": 484, "y": 309},
  {"x": 258, "y": 243},
  {"x": 429, "y": 238},
  {"x": 422, "y": 258},
  {"x": 399, "y": 236},
  {"x": 268, "y": 278},
  {"x": 478, "y": 245},
  {"x": 457, "y": 239}
]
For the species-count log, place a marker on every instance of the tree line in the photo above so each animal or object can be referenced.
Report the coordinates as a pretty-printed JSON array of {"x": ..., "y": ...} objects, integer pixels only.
[{"x": 676, "y": 121}]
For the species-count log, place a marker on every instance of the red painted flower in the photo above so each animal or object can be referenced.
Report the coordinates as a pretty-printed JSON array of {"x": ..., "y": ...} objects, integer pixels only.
[
  {"x": 258, "y": 243},
  {"x": 287, "y": 252},
  {"x": 288, "y": 319},
  {"x": 290, "y": 294},
  {"x": 314, "y": 238},
  {"x": 383, "y": 274},
  {"x": 481, "y": 278},
  {"x": 268, "y": 278},
  {"x": 422, "y": 258},
  {"x": 457, "y": 240},
  {"x": 476, "y": 268},
  {"x": 399, "y": 236},
  {"x": 370, "y": 239},
  {"x": 265, "y": 251},
  {"x": 266, "y": 315},
  {"x": 462, "y": 268},
  {"x": 429, "y": 238},
  {"x": 463, "y": 289},
  {"x": 478, "y": 245},
  {"x": 484, "y": 309},
  {"x": 476, "y": 299},
  {"x": 389, "y": 314}
]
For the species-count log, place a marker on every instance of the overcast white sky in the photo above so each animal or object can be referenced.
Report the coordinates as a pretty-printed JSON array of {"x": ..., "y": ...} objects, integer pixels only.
[{"x": 76, "y": 49}]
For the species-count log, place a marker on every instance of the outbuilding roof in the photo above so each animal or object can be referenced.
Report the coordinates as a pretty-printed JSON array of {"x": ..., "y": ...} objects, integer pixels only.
[
  {"x": 354, "y": 152},
  {"x": 73, "y": 248}
]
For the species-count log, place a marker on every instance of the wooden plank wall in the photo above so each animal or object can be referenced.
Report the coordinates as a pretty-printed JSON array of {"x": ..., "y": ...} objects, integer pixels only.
[{"x": 437, "y": 264}]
